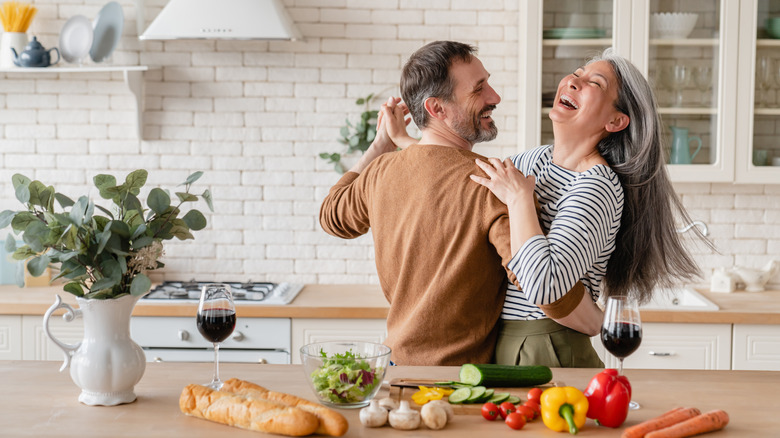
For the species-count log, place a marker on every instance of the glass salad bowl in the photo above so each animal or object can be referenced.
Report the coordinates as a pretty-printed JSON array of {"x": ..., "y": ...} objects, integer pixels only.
[{"x": 345, "y": 374}]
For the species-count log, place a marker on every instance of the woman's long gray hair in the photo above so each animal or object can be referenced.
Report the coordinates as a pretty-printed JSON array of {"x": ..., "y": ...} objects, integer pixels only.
[{"x": 649, "y": 251}]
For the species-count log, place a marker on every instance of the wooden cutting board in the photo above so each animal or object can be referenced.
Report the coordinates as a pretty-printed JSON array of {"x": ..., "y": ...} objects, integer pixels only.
[{"x": 403, "y": 388}]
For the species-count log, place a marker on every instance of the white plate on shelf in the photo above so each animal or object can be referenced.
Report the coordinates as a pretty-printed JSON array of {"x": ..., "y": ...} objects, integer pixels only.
[
  {"x": 76, "y": 38},
  {"x": 108, "y": 31}
]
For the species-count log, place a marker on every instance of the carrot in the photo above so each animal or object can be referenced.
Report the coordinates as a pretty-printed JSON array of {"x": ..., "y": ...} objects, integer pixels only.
[
  {"x": 712, "y": 420},
  {"x": 664, "y": 420}
]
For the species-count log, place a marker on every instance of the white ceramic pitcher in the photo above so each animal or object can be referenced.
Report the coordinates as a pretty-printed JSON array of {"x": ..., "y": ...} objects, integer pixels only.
[{"x": 107, "y": 363}]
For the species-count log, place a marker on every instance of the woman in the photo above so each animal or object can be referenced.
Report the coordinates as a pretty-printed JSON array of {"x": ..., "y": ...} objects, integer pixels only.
[{"x": 604, "y": 196}]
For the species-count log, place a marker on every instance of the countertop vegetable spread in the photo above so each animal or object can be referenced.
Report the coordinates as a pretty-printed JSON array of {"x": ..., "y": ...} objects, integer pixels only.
[{"x": 345, "y": 378}]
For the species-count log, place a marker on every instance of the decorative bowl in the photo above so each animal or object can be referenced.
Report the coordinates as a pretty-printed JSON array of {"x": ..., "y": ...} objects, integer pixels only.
[
  {"x": 672, "y": 24},
  {"x": 773, "y": 27},
  {"x": 345, "y": 374}
]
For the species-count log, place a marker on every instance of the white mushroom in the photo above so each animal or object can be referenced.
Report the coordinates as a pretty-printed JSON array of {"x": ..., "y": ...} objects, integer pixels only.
[
  {"x": 404, "y": 418},
  {"x": 444, "y": 405},
  {"x": 388, "y": 403},
  {"x": 434, "y": 416},
  {"x": 373, "y": 415}
]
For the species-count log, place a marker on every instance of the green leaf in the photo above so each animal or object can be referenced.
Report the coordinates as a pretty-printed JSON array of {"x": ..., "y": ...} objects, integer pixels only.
[
  {"x": 186, "y": 197},
  {"x": 111, "y": 269},
  {"x": 23, "y": 194},
  {"x": 34, "y": 235},
  {"x": 5, "y": 218},
  {"x": 142, "y": 242},
  {"x": 344, "y": 131},
  {"x": 207, "y": 197},
  {"x": 195, "y": 220},
  {"x": 22, "y": 220},
  {"x": 158, "y": 200},
  {"x": 132, "y": 202},
  {"x": 103, "y": 182},
  {"x": 103, "y": 283},
  {"x": 37, "y": 265},
  {"x": 139, "y": 230},
  {"x": 78, "y": 210},
  {"x": 369, "y": 97},
  {"x": 120, "y": 228},
  {"x": 103, "y": 239},
  {"x": 64, "y": 201},
  {"x": 360, "y": 101},
  {"x": 140, "y": 285},
  {"x": 20, "y": 180},
  {"x": 10, "y": 243},
  {"x": 36, "y": 187},
  {"x": 74, "y": 288},
  {"x": 135, "y": 180},
  {"x": 106, "y": 211},
  {"x": 192, "y": 178},
  {"x": 354, "y": 141}
]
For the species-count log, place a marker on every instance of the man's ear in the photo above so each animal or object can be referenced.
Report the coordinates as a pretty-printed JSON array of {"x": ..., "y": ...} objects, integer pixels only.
[
  {"x": 434, "y": 108},
  {"x": 618, "y": 123}
]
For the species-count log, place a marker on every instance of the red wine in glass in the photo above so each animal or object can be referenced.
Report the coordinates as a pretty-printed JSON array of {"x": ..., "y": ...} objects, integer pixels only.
[
  {"x": 621, "y": 331},
  {"x": 216, "y": 320},
  {"x": 622, "y": 338},
  {"x": 216, "y": 324}
]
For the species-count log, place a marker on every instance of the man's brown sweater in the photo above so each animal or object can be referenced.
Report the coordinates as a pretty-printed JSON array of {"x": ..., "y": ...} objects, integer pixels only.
[{"x": 441, "y": 242}]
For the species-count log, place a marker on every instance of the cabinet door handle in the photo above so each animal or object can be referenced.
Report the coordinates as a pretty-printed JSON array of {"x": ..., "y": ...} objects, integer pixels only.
[
  {"x": 237, "y": 336},
  {"x": 657, "y": 353}
]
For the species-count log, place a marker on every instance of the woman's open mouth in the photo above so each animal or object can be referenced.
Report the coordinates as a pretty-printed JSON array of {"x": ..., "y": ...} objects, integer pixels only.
[{"x": 568, "y": 102}]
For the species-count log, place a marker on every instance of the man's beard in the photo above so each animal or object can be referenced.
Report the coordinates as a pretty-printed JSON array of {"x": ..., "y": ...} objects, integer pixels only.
[{"x": 471, "y": 130}]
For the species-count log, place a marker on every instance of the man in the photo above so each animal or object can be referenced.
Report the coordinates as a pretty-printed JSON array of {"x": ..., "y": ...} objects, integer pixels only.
[{"x": 441, "y": 241}]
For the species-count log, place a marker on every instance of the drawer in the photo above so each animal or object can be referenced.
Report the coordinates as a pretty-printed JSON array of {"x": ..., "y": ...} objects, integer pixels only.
[
  {"x": 756, "y": 347},
  {"x": 182, "y": 332},
  {"x": 680, "y": 346},
  {"x": 225, "y": 356}
]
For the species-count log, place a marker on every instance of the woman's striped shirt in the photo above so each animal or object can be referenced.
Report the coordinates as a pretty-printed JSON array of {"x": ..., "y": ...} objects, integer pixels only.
[{"x": 580, "y": 214}]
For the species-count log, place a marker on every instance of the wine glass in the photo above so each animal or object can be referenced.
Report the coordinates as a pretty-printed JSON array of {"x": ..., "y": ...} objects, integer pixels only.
[
  {"x": 677, "y": 77},
  {"x": 764, "y": 80},
  {"x": 702, "y": 78},
  {"x": 216, "y": 320},
  {"x": 621, "y": 331}
]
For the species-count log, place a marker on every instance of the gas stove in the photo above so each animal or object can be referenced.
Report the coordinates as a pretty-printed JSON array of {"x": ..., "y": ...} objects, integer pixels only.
[{"x": 256, "y": 293}]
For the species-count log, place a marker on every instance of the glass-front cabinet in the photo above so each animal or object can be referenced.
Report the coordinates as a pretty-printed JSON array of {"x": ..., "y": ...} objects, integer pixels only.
[{"x": 714, "y": 66}]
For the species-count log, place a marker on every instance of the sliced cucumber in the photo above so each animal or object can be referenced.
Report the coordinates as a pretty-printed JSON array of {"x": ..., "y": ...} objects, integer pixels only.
[
  {"x": 499, "y": 397},
  {"x": 505, "y": 376},
  {"x": 476, "y": 394},
  {"x": 460, "y": 395},
  {"x": 487, "y": 396},
  {"x": 513, "y": 399}
]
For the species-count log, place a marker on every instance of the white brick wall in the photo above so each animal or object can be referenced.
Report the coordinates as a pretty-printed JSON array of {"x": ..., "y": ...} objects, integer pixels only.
[{"x": 254, "y": 115}]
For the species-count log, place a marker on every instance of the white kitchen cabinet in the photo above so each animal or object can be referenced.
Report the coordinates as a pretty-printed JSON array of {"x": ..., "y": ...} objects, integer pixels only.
[
  {"x": 10, "y": 337},
  {"x": 721, "y": 112},
  {"x": 37, "y": 346},
  {"x": 306, "y": 331},
  {"x": 677, "y": 346},
  {"x": 756, "y": 347}
]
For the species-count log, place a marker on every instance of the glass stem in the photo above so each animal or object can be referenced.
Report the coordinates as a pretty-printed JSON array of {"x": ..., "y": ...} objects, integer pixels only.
[
  {"x": 216, "y": 363},
  {"x": 620, "y": 366}
]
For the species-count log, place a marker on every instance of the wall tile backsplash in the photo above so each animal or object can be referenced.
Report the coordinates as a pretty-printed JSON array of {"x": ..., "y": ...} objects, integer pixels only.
[{"x": 255, "y": 115}]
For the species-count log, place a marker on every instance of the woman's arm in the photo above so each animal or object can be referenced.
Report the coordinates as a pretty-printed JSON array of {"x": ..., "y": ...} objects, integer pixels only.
[{"x": 396, "y": 122}]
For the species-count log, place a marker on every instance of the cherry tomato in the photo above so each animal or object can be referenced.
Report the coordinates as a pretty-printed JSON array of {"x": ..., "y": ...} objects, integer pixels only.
[
  {"x": 489, "y": 411},
  {"x": 515, "y": 420},
  {"x": 535, "y": 394},
  {"x": 527, "y": 412},
  {"x": 535, "y": 406},
  {"x": 505, "y": 409}
]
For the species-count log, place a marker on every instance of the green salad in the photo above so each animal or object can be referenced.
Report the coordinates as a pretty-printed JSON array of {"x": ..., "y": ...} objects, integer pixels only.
[{"x": 345, "y": 378}]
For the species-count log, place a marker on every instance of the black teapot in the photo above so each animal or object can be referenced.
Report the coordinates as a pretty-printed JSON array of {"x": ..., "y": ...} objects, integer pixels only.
[{"x": 34, "y": 55}]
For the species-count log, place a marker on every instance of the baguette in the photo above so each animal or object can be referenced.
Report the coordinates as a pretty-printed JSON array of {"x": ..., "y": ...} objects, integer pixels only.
[
  {"x": 246, "y": 413},
  {"x": 330, "y": 422}
]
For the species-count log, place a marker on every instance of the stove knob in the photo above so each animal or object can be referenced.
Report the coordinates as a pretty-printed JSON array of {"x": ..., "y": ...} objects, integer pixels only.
[
  {"x": 238, "y": 336},
  {"x": 184, "y": 335}
]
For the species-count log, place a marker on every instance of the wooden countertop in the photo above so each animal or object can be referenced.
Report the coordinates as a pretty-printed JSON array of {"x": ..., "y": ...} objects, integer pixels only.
[
  {"x": 367, "y": 301},
  {"x": 39, "y": 401}
]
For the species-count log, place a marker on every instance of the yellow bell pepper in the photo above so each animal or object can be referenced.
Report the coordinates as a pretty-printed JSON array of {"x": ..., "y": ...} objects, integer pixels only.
[
  {"x": 426, "y": 394},
  {"x": 564, "y": 408}
]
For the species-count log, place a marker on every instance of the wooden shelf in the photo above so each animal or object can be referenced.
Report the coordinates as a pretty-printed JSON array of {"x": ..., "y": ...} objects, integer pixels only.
[{"x": 133, "y": 75}]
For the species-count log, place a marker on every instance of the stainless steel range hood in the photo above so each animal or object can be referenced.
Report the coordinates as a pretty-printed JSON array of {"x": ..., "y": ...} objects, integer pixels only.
[{"x": 222, "y": 19}]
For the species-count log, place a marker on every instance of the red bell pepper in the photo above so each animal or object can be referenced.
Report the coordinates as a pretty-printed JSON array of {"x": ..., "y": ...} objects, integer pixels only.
[{"x": 608, "y": 397}]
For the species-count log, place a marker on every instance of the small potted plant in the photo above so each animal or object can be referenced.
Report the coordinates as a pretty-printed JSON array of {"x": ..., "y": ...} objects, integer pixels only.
[{"x": 103, "y": 254}]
